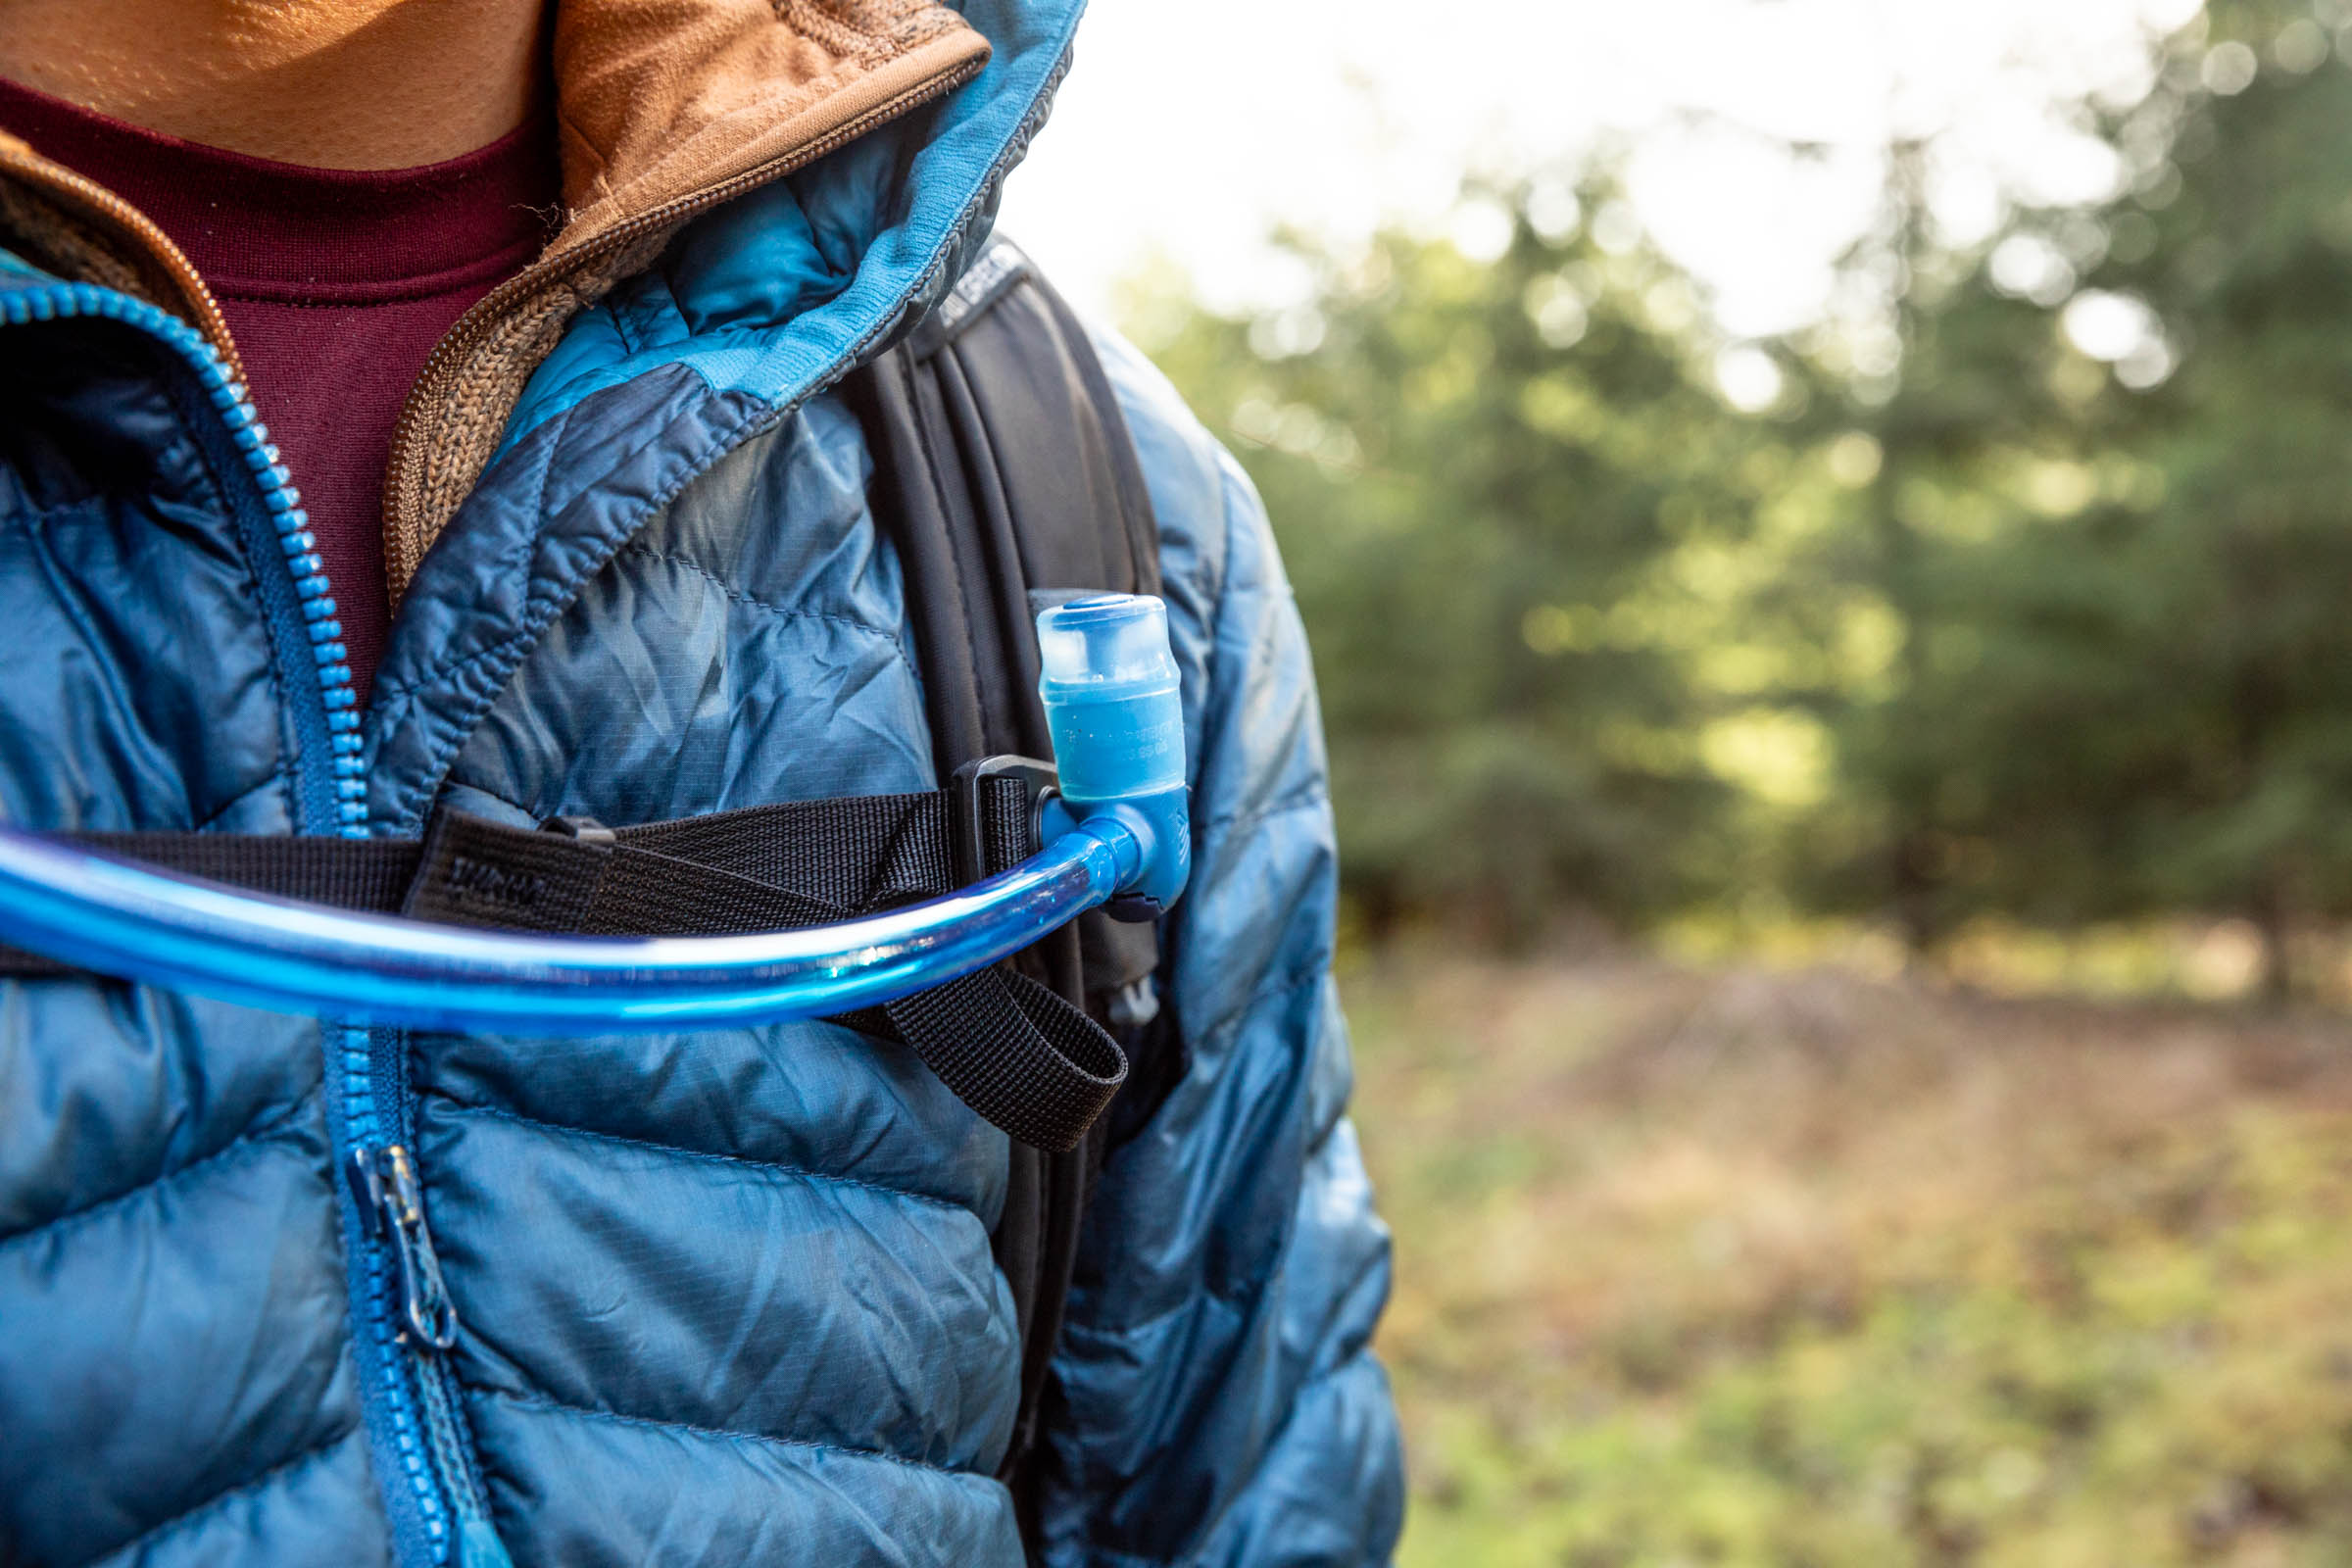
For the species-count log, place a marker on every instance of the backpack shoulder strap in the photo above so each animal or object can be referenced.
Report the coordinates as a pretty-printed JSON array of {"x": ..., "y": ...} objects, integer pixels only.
[{"x": 1006, "y": 478}]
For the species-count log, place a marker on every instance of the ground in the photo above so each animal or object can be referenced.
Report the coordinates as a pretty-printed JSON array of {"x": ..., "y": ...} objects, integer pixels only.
[{"x": 1730, "y": 1266}]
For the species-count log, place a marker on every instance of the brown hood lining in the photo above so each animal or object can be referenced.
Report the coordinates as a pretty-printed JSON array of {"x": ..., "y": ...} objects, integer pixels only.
[
  {"x": 658, "y": 99},
  {"x": 662, "y": 107}
]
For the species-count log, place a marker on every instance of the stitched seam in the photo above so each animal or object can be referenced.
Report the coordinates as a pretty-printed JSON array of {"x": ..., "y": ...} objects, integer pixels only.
[
  {"x": 530, "y": 811},
  {"x": 927, "y": 277},
  {"x": 276, "y": 776},
  {"x": 632, "y": 342},
  {"x": 765, "y": 1167},
  {"x": 1287, "y": 983},
  {"x": 1308, "y": 798},
  {"x": 439, "y": 673},
  {"x": 933, "y": 266},
  {"x": 1275, "y": 1439},
  {"x": 566, "y": 1407},
  {"x": 537, "y": 615},
  {"x": 1241, "y": 1294},
  {"x": 1238, "y": 1297},
  {"x": 753, "y": 602},
  {"x": 252, "y": 1140},
  {"x": 519, "y": 552},
  {"x": 38, "y": 527},
  {"x": 547, "y": 486},
  {"x": 289, "y": 741},
  {"x": 188, "y": 1516},
  {"x": 1131, "y": 1559},
  {"x": 1244, "y": 1291}
]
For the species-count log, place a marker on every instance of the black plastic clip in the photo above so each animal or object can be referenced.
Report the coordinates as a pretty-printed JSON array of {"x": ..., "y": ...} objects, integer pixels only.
[
  {"x": 1133, "y": 908},
  {"x": 587, "y": 829},
  {"x": 972, "y": 807}
]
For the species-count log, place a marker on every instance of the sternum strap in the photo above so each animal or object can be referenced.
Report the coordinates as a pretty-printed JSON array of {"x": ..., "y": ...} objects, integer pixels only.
[{"x": 1022, "y": 1055}]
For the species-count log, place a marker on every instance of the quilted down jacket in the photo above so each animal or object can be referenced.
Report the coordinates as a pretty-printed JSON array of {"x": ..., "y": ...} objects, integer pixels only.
[{"x": 722, "y": 1296}]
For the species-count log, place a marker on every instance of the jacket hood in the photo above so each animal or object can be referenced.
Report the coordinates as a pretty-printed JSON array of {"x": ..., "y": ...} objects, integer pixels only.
[
  {"x": 765, "y": 157},
  {"x": 757, "y": 170},
  {"x": 660, "y": 100},
  {"x": 823, "y": 263}
]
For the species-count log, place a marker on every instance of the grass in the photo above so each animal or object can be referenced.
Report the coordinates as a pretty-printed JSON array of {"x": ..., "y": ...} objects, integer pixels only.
[{"x": 1725, "y": 1266}]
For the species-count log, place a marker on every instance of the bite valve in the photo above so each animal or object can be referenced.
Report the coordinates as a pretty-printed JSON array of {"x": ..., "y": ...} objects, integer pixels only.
[{"x": 1108, "y": 682}]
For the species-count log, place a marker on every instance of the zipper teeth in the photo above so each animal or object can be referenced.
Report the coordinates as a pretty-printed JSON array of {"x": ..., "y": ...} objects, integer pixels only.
[
  {"x": 211, "y": 352},
  {"x": 313, "y": 593},
  {"x": 363, "y": 1132},
  {"x": 427, "y": 393},
  {"x": 317, "y": 603},
  {"x": 107, "y": 207}
]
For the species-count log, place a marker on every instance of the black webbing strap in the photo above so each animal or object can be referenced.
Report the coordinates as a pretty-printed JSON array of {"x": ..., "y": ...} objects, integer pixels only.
[
  {"x": 1016, "y": 1052},
  {"x": 347, "y": 873},
  {"x": 1006, "y": 478},
  {"x": 1019, "y": 1055}
]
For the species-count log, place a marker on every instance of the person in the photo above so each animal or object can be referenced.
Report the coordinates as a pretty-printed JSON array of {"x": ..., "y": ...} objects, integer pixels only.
[{"x": 562, "y": 511}]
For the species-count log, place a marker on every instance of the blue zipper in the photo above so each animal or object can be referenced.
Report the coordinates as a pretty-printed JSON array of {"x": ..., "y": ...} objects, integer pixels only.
[
  {"x": 402, "y": 1275},
  {"x": 408, "y": 1316}
]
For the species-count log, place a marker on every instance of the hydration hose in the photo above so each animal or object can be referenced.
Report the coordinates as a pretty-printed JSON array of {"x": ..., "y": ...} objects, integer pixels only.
[{"x": 1117, "y": 829}]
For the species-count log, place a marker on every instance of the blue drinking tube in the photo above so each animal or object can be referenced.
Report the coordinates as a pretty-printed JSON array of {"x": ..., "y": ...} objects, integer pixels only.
[{"x": 1118, "y": 830}]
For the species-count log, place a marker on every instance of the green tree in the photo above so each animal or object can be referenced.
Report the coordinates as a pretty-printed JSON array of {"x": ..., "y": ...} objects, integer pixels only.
[
  {"x": 2128, "y": 678},
  {"x": 2029, "y": 606},
  {"x": 1481, "y": 471}
]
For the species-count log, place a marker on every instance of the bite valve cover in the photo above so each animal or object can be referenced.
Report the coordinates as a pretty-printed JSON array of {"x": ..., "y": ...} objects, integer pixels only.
[{"x": 1108, "y": 682}]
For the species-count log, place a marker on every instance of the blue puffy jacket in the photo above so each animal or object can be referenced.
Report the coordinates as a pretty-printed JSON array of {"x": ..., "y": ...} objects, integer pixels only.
[{"x": 723, "y": 1298}]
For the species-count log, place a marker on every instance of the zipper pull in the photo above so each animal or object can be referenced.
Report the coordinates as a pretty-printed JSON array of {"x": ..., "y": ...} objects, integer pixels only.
[{"x": 391, "y": 1205}]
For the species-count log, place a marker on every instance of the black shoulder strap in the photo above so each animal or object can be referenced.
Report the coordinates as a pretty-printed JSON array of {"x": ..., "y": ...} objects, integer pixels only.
[{"x": 1006, "y": 478}]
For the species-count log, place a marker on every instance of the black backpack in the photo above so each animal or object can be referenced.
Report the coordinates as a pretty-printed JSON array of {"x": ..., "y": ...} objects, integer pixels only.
[{"x": 1006, "y": 478}]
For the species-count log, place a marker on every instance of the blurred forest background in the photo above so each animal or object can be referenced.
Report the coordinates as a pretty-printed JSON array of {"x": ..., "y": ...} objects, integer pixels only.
[
  {"x": 1846, "y": 843},
  {"x": 2012, "y": 593}
]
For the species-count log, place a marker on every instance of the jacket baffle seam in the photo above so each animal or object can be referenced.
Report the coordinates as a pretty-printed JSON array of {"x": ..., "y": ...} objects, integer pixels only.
[
  {"x": 539, "y": 612},
  {"x": 753, "y": 602},
  {"x": 153, "y": 1535},
  {"x": 722, "y": 1434},
  {"x": 251, "y": 1140},
  {"x": 460, "y": 1107}
]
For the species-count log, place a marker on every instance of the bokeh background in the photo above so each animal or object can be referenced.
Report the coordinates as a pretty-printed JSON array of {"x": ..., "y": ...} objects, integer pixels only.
[{"x": 1827, "y": 528}]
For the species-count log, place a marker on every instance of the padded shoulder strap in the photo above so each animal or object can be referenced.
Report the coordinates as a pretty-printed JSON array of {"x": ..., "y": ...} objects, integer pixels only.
[
  {"x": 1004, "y": 473},
  {"x": 1006, "y": 478},
  {"x": 1008, "y": 481}
]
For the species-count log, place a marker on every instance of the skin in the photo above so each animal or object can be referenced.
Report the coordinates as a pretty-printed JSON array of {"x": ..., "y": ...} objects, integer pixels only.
[{"x": 323, "y": 84}]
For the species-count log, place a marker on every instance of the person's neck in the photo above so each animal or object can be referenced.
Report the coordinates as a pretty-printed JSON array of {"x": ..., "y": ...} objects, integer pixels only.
[{"x": 323, "y": 83}]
